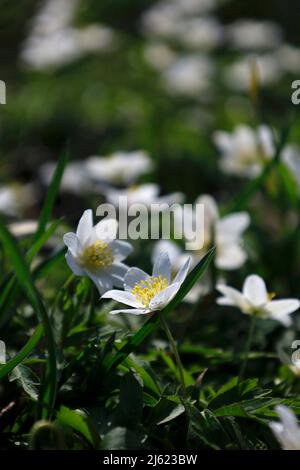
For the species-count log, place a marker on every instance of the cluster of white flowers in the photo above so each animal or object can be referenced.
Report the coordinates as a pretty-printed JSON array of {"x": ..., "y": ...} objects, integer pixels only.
[
  {"x": 54, "y": 42},
  {"x": 95, "y": 252}
]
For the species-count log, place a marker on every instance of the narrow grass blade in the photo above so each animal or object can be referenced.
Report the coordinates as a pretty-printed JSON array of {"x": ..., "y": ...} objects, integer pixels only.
[
  {"x": 51, "y": 194},
  {"x": 25, "y": 280},
  {"x": 25, "y": 351}
]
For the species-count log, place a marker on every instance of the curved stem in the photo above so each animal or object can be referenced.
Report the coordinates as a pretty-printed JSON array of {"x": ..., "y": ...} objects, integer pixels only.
[
  {"x": 248, "y": 346},
  {"x": 175, "y": 351}
]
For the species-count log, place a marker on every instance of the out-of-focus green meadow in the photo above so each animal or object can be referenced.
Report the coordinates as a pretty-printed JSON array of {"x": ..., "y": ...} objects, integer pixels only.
[{"x": 199, "y": 93}]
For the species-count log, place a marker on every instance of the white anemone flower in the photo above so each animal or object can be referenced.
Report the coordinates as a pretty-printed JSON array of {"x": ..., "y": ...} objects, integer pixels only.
[
  {"x": 16, "y": 198},
  {"x": 245, "y": 150},
  {"x": 147, "y": 293},
  {"x": 75, "y": 178},
  {"x": 93, "y": 251},
  {"x": 146, "y": 194},
  {"x": 287, "y": 430},
  {"x": 254, "y": 35},
  {"x": 255, "y": 300},
  {"x": 189, "y": 75},
  {"x": 239, "y": 75},
  {"x": 119, "y": 167}
]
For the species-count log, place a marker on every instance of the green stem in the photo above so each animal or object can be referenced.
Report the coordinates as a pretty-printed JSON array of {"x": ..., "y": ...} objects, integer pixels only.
[
  {"x": 248, "y": 346},
  {"x": 175, "y": 351}
]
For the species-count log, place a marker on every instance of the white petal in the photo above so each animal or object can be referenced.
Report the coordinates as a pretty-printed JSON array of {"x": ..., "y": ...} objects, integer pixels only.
[
  {"x": 120, "y": 249},
  {"x": 211, "y": 210},
  {"x": 72, "y": 242},
  {"x": 133, "y": 311},
  {"x": 85, "y": 226},
  {"x": 282, "y": 307},
  {"x": 73, "y": 264},
  {"x": 106, "y": 229},
  {"x": 182, "y": 273},
  {"x": 169, "y": 247},
  {"x": 102, "y": 282},
  {"x": 230, "y": 256},
  {"x": 288, "y": 419},
  {"x": 164, "y": 297},
  {"x": 117, "y": 271},
  {"x": 255, "y": 291},
  {"x": 223, "y": 141},
  {"x": 231, "y": 227},
  {"x": 162, "y": 266},
  {"x": 232, "y": 297},
  {"x": 123, "y": 297},
  {"x": 134, "y": 276}
]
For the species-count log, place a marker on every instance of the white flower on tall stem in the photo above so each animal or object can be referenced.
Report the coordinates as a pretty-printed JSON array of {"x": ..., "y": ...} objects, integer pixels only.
[
  {"x": 245, "y": 151},
  {"x": 287, "y": 430},
  {"x": 93, "y": 251},
  {"x": 254, "y": 300},
  {"x": 149, "y": 293},
  {"x": 120, "y": 167}
]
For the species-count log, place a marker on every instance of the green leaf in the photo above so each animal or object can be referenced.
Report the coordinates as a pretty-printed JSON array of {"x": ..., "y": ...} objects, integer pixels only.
[
  {"x": 111, "y": 362},
  {"x": 25, "y": 280},
  {"x": 25, "y": 351},
  {"x": 80, "y": 422},
  {"x": 130, "y": 409},
  {"x": 121, "y": 439},
  {"x": 10, "y": 289},
  {"x": 51, "y": 194}
]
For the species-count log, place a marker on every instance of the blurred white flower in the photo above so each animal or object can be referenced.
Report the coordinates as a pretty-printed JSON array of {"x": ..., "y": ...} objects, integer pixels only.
[
  {"x": 254, "y": 35},
  {"x": 2, "y": 352},
  {"x": 159, "y": 55},
  {"x": 93, "y": 251},
  {"x": 149, "y": 293},
  {"x": 119, "y": 167},
  {"x": 200, "y": 33},
  {"x": 53, "y": 41},
  {"x": 191, "y": 7},
  {"x": 287, "y": 430},
  {"x": 245, "y": 150},
  {"x": 15, "y": 198},
  {"x": 288, "y": 57},
  {"x": 75, "y": 178},
  {"x": 238, "y": 76},
  {"x": 255, "y": 300},
  {"x": 189, "y": 76},
  {"x": 146, "y": 194},
  {"x": 225, "y": 233},
  {"x": 291, "y": 157},
  {"x": 23, "y": 228}
]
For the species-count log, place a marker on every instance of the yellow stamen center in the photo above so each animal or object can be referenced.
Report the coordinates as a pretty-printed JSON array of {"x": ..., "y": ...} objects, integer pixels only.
[
  {"x": 97, "y": 255},
  {"x": 271, "y": 295},
  {"x": 144, "y": 291}
]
